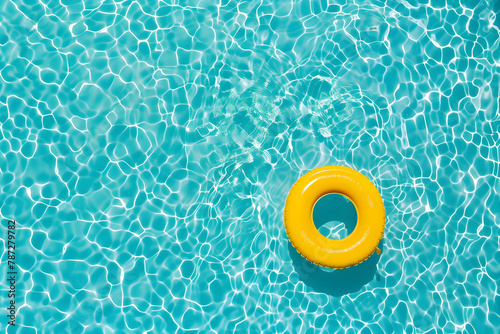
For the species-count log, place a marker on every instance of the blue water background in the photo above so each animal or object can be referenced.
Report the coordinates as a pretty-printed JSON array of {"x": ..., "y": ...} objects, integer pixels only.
[{"x": 147, "y": 149}]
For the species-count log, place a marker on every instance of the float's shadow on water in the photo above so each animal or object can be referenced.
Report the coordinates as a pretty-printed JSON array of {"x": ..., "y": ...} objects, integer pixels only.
[{"x": 336, "y": 282}]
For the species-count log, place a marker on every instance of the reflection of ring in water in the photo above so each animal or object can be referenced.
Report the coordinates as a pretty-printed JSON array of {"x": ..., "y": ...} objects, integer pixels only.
[
  {"x": 309, "y": 242},
  {"x": 331, "y": 281},
  {"x": 338, "y": 282}
]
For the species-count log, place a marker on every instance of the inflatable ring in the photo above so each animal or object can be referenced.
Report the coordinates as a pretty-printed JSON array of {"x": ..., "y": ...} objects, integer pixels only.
[{"x": 309, "y": 242}]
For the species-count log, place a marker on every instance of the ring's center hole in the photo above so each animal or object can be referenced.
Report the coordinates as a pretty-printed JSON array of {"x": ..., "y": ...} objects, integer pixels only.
[{"x": 335, "y": 216}]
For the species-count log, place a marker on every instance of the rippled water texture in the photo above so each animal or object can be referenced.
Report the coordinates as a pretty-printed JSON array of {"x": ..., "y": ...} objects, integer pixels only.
[{"x": 147, "y": 149}]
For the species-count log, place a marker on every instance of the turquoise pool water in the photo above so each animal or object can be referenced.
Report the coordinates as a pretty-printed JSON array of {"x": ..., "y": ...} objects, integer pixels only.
[{"x": 147, "y": 149}]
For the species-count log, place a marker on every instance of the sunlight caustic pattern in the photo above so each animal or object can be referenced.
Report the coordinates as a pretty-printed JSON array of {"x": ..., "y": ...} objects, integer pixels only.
[{"x": 147, "y": 149}]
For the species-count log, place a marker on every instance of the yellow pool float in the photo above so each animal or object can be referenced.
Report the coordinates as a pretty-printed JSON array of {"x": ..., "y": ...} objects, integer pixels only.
[{"x": 309, "y": 242}]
